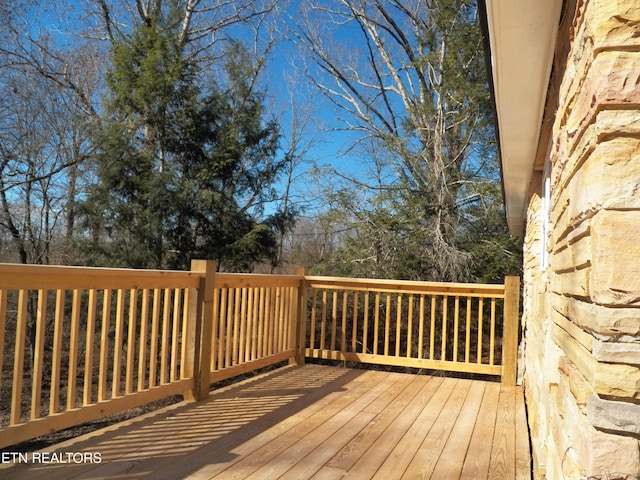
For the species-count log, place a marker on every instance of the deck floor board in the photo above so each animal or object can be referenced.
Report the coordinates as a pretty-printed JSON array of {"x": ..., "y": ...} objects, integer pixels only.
[{"x": 315, "y": 422}]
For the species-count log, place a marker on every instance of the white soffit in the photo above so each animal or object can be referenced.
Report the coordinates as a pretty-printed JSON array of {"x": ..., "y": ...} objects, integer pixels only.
[{"x": 523, "y": 38}]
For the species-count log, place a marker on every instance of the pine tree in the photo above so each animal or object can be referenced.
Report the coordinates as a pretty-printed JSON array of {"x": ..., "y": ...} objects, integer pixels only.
[{"x": 181, "y": 170}]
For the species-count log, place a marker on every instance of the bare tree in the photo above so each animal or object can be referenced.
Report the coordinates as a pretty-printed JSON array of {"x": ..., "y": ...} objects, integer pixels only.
[
  {"x": 48, "y": 107},
  {"x": 43, "y": 146},
  {"x": 404, "y": 75},
  {"x": 203, "y": 23}
]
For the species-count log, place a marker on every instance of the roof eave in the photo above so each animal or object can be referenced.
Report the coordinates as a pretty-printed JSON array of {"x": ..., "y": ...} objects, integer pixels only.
[{"x": 522, "y": 38}]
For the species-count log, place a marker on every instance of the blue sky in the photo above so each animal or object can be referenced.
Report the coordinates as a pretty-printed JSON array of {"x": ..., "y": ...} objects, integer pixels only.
[{"x": 284, "y": 81}]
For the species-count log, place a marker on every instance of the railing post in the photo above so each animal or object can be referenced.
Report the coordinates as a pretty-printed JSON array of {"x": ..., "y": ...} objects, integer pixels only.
[
  {"x": 510, "y": 330},
  {"x": 199, "y": 334},
  {"x": 300, "y": 334}
]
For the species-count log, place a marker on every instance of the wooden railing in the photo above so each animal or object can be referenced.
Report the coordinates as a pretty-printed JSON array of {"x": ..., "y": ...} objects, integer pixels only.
[
  {"x": 439, "y": 326},
  {"x": 254, "y": 320},
  {"x": 77, "y": 344},
  {"x": 100, "y": 341}
]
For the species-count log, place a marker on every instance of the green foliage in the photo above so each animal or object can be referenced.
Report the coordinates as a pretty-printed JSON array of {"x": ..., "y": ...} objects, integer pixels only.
[
  {"x": 182, "y": 172},
  {"x": 495, "y": 253}
]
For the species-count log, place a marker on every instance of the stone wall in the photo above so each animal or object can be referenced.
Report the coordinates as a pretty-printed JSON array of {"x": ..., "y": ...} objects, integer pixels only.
[{"x": 582, "y": 313}]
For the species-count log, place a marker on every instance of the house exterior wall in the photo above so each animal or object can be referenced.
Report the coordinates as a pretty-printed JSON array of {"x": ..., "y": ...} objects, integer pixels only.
[{"x": 581, "y": 315}]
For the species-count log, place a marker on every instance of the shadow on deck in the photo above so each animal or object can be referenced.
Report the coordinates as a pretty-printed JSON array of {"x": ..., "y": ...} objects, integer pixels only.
[{"x": 310, "y": 422}]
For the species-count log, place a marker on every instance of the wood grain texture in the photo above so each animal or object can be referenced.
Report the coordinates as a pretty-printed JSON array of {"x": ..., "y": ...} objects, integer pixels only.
[{"x": 317, "y": 422}]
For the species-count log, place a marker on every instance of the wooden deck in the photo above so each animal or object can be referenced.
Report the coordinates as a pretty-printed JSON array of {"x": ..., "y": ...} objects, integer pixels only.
[{"x": 310, "y": 422}]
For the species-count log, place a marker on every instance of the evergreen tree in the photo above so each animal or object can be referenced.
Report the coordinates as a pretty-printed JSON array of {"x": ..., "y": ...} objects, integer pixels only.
[
  {"x": 182, "y": 171},
  {"x": 226, "y": 155}
]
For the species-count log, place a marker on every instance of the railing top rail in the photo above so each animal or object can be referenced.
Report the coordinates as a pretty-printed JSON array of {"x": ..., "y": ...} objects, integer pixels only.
[
  {"x": 255, "y": 280},
  {"x": 407, "y": 286},
  {"x": 50, "y": 277}
]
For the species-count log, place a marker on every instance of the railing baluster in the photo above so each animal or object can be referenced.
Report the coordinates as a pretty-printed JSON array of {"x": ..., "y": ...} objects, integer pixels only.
[
  {"x": 334, "y": 319},
  {"x": 74, "y": 342},
  {"x": 456, "y": 326},
  {"x": 387, "y": 325},
  {"x": 354, "y": 337},
  {"x": 144, "y": 333},
  {"x": 467, "y": 338},
  {"x": 268, "y": 338},
  {"x": 323, "y": 322},
  {"x": 343, "y": 325},
  {"x": 314, "y": 310},
  {"x": 480, "y": 314},
  {"x": 3, "y": 322},
  {"x": 445, "y": 311},
  {"x": 398, "y": 323},
  {"x": 271, "y": 307},
  {"x": 184, "y": 344},
  {"x": 254, "y": 302},
  {"x": 284, "y": 311},
  {"x": 292, "y": 318},
  {"x": 284, "y": 315},
  {"x": 376, "y": 325},
  {"x": 131, "y": 341},
  {"x": 215, "y": 325},
  {"x": 410, "y": 326},
  {"x": 173, "y": 375},
  {"x": 18, "y": 358},
  {"x": 54, "y": 398},
  {"x": 283, "y": 342},
  {"x": 153, "y": 351},
  {"x": 245, "y": 330},
  {"x": 365, "y": 323},
  {"x": 104, "y": 345},
  {"x": 117, "y": 346},
  {"x": 38, "y": 357},
  {"x": 275, "y": 307},
  {"x": 262, "y": 326},
  {"x": 236, "y": 327},
  {"x": 224, "y": 296},
  {"x": 89, "y": 349},
  {"x": 164, "y": 349},
  {"x": 421, "y": 327},
  {"x": 432, "y": 333},
  {"x": 243, "y": 326},
  {"x": 492, "y": 338}
]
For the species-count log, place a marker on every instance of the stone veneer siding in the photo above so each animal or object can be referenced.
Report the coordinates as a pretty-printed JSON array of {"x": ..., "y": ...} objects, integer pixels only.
[{"x": 582, "y": 313}]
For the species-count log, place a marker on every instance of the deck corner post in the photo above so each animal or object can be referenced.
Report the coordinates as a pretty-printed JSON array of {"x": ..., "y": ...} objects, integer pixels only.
[
  {"x": 300, "y": 334},
  {"x": 200, "y": 330},
  {"x": 510, "y": 330}
]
